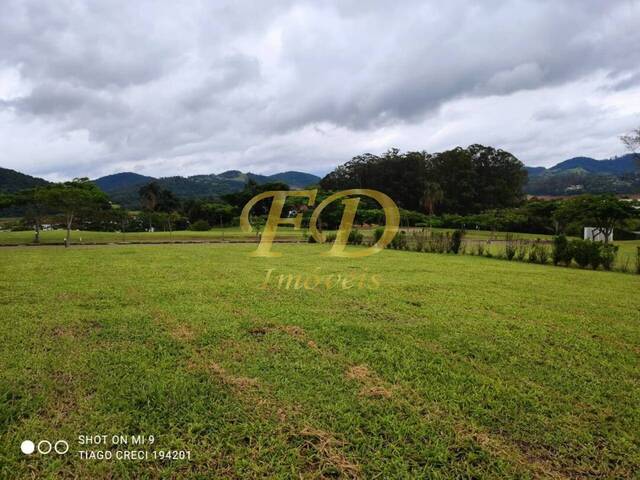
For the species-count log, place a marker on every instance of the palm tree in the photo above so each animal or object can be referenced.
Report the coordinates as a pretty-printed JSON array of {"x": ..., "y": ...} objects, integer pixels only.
[{"x": 431, "y": 197}]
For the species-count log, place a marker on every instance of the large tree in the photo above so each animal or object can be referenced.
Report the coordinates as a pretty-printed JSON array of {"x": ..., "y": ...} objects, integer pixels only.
[
  {"x": 74, "y": 198},
  {"x": 602, "y": 212},
  {"x": 159, "y": 203},
  {"x": 35, "y": 200},
  {"x": 472, "y": 180}
]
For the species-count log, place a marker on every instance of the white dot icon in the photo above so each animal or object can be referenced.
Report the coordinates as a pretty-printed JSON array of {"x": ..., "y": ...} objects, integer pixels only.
[{"x": 27, "y": 447}]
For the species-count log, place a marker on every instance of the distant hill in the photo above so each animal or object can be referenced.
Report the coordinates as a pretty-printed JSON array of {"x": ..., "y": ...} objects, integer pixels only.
[
  {"x": 615, "y": 166},
  {"x": 122, "y": 180},
  {"x": 586, "y": 175},
  {"x": 294, "y": 179},
  {"x": 12, "y": 181},
  {"x": 123, "y": 188}
]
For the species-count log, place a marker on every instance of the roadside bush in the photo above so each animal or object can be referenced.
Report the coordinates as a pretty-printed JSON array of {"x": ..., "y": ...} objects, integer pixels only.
[
  {"x": 586, "y": 253},
  {"x": 595, "y": 255},
  {"x": 200, "y": 226},
  {"x": 437, "y": 242},
  {"x": 377, "y": 233},
  {"x": 561, "y": 253},
  {"x": 419, "y": 241},
  {"x": 399, "y": 242},
  {"x": 522, "y": 250},
  {"x": 608, "y": 256},
  {"x": 538, "y": 253},
  {"x": 355, "y": 238},
  {"x": 509, "y": 247},
  {"x": 580, "y": 251},
  {"x": 456, "y": 241}
]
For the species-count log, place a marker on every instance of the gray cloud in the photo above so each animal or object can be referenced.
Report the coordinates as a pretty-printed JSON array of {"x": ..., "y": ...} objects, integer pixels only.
[{"x": 170, "y": 88}]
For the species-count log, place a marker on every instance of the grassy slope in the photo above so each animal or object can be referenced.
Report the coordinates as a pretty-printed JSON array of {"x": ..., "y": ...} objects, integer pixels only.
[
  {"x": 79, "y": 237},
  {"x": 457, "y": 366},
  {"x": 57, "y": 236}
]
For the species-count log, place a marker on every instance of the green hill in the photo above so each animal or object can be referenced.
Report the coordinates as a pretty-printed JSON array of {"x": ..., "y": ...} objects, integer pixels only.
[
  {"x": 12, "y": 181},
  {"x": 123, "y": 188}
]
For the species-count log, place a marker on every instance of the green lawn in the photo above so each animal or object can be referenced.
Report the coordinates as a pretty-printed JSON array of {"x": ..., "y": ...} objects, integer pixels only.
[
  {"x": 80, "y": 237},
  {"x": 456, "y": 367}
]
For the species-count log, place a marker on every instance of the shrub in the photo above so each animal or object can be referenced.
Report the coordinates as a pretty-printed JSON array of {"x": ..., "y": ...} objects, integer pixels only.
[
  {"x": 355, "y": 237},
  {"x": 377, "y": 233},
  {"x": 330, "y": 238},
  {"x": 608, "y": 256},
  {"x": 200, "y": 226},
  {"x": 480, "y": 248},
  {"x": 399, "y": 242},
  {"x": 586, "y": 252},
  {"x": 638, "y": 261},
  {"x": 624, "y": 265},
  {"x": 456, "y": 241},
  {"x": 561, "y": 253},
  {"x": 419, "y": 241},
  {"x": 595, "y": 255},
  {"x": 436, "y": 242},
  {"x": 509, "y": 247},
  {"x": 522, "y": 249},
  {"x": 580, "y": 252},
  {"x": 538, "y": 253}
]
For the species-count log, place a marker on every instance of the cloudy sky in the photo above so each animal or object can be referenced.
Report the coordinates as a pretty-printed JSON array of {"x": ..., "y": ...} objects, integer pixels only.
[{"x": 181, "y": 88}]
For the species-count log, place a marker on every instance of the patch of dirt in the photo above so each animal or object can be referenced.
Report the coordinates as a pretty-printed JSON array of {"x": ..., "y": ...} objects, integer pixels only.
[
  {"x": 358, "y": 372},
  {"x": 183, "y": 332},
  {"x": 372, "y": 385},
  {"x": 376, "y": 391},
  {"x": 69, "y": 296},
  {"x": 326, "y": 446},
  {"x": 293, "y": 330},
  {"x": 239, "y": 382},
  {"x": 258, "y": 331},
  {"x": 63, "y": 332}
]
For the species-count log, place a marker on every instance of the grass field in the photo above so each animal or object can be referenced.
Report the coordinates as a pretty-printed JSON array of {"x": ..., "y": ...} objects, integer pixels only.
[
  {"x": 80, "y": 237},
  {"x": 455, "y": 367},
  {"x": 231, "y": 233}
]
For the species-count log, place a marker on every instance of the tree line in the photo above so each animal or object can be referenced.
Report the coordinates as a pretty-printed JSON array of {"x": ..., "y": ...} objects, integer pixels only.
[
  {"x": 476, "y": 187},
  {"x": 461, "y": 181}
]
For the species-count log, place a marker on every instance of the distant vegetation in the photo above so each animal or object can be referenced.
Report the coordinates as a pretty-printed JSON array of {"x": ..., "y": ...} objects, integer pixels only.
[
  {"x": 585, "y": 175},
  {"x": 473, "y": 188},
  {"x": 123, "y": 188},
  {"x": 459, "y": 181}
]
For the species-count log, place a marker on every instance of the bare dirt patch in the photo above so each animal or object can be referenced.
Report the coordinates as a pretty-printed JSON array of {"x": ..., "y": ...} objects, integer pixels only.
[
  {"x": 235, "y": 381},
  {"x": 327, "y": 448},
  {"x": 183, "y": 332},
  {"x": 372, "y": 386}
]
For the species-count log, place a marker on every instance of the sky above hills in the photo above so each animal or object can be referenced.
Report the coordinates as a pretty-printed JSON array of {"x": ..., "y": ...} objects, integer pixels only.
[{"x": 166, "y": 88}]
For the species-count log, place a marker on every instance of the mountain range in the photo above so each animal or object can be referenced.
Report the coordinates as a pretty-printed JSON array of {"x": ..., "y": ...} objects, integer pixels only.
[
  {"x": 573, "y": 176},
  {"x": 586, "y": 175},
  {"x": 123, "y": 188}
]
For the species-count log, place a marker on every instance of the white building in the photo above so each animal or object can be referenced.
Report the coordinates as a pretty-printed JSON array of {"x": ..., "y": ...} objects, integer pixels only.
[{"x": 593, "y": 233}]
